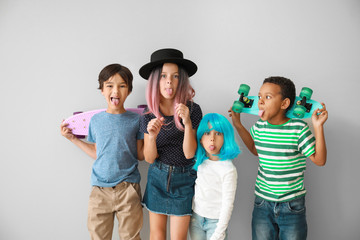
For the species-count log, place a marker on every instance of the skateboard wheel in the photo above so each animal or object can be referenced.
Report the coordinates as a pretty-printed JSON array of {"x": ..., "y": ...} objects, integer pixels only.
[
  {"x": 80, "y": 136},
  {"x": 142, "y": 106},
  {"x": 237, "y": 106},
  {"x": 299, "y": 111},
  {"x": 306, "y": 92},
  {"x": 244, "y": 89}
]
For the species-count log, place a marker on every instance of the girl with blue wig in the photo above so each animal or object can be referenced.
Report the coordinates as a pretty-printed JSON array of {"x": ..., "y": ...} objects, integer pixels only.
[{"x": 216, "y": 181}]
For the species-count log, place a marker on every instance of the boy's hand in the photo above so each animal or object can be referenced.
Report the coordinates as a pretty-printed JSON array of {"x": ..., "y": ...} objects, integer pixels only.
[
  {"x": 66, "y": 132},
  {"x": 183, "y": 112},
  {"x": 154, "y": 126},
  {"x": 319, "y": 116},
  {"x": 235, "y": 117}
]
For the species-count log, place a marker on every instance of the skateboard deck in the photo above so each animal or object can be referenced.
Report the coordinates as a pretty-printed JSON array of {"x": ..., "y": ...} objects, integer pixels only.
[
  {"x": 254, "y": 110},
  {"x": 79, "y": 122},
  {"x": 303, "y": 106}
]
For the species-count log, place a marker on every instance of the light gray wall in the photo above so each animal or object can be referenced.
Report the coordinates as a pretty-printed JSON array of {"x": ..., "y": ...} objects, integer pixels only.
[{"x": 52, "y": 51}]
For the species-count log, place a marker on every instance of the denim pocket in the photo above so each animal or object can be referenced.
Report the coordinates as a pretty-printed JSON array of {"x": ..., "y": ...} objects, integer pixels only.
[
  {"x": 258, "y": 202},
  {"x": 297, "y": 205}
]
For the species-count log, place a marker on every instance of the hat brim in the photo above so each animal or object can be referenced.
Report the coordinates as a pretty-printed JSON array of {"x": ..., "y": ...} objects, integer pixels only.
[{"x": 188, "y": 65}]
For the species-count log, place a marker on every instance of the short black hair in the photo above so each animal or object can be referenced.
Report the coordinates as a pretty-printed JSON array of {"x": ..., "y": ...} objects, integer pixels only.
[
  {"x": 111, "y": 70},
  {"x": 287, "y": 88}
]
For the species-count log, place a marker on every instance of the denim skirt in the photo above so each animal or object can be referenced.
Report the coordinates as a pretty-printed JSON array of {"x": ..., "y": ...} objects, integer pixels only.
[{"x": 169, "y": 189}]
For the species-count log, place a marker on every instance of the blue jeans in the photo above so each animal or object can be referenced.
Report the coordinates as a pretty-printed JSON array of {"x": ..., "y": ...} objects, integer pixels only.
[
  {"x": 202, "y": 228},
  {"x": 279, "y": 220}
]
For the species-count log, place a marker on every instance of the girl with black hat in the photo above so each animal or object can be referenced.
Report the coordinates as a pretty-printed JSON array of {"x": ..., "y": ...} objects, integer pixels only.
[{"x": 169, "y": 125}]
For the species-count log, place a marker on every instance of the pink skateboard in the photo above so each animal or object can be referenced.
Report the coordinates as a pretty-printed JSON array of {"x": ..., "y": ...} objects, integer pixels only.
[{"x": 79, "y": 122}]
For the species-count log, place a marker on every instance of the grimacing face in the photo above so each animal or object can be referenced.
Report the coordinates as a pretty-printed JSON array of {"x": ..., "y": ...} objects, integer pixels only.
[
  {"x": 115, "y": 91},
  {"x": 212, "y": 142}
]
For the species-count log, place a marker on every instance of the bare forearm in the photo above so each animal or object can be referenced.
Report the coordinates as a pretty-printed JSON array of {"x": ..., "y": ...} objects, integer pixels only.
[
  {"x": 189, "y": 144},
  {"x": 150, "y": 150},
  {"x": 320, "y": 147},
  {"x": 88, "y": 148},
  {"x": 246, "y": 138}
]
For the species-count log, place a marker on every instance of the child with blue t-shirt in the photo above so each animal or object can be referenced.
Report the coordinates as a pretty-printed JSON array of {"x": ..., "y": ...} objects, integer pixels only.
[
  {"x": 116, "y": 143},
  {"x": 282, "y": 145}
]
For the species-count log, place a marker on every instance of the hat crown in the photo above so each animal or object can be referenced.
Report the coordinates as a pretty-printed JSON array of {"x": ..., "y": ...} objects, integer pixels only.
[{"x": 167, "y": 53}]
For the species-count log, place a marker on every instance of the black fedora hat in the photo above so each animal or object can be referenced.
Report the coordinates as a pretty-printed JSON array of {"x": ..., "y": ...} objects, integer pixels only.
[{"x": 167, "y": 55}]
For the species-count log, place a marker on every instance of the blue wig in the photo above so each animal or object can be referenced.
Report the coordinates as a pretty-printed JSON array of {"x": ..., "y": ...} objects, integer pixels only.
[{"x": 219, "y": 123}]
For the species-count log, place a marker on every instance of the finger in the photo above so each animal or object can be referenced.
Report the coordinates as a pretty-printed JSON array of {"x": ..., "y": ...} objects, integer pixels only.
[
  {"x": 63, "y": 124},
  {"x": 179, "y": 105},
  {"x": 156, "y": 121},
  {"x": 153, "y": 126},
  {"x": 324, "y": 113},
  {"x": 315, "y": 113},
  {"x": 179, "y": 112},
  {"x": 152, "y": 129},
  {"x": 323, "y": 105},
  {"x": 157, "y": 125}
]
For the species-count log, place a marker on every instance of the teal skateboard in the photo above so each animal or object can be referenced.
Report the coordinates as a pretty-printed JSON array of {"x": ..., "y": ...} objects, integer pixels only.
[{"x": 303, "y": 107}]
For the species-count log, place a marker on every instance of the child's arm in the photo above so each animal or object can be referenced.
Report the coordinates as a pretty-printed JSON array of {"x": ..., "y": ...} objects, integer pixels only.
[
  {"x": 227, "y": 204},
  {"x": 88, "y": 148},
  {"x": 318, "y": 118},
  {"x": 140, "y": 149},
  {"x": 243, "y": 132},
  {"x": 150, "y": 149},
  {"x": 189, "y": 144}
]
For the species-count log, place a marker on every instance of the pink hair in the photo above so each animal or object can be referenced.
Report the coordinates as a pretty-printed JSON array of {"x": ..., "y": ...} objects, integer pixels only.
[{"x": 184, "y": 93}]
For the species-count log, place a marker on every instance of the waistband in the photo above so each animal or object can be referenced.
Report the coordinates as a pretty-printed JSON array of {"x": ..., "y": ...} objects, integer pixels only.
[{"x": 174, "y": 169}]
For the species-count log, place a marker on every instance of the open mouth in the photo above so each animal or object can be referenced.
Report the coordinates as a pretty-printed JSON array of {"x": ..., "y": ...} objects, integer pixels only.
[
  {"x": 212, "y": 147},
  {"x": 115, "y": 100},
  {"x": 169, "y": 91},
  {"x": 261, "y": 112}
]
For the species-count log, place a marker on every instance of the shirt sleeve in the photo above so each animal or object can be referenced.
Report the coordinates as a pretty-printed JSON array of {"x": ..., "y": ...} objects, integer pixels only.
[
  {"x": 91, "y": 136},
  {"x": 195, "y": 115},
  {"x": 306, "y": 142},
  {"x": 144, "y": 120},
  {"x": 229, "y": 189},
  {"x": 252, "y": 132},
  {"x": 140, "y": 134}
]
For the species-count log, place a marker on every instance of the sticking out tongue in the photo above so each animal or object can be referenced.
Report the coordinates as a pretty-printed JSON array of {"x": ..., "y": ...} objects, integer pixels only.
[
  {"x": 115, "y": 101},
  {"x": 169, "y": 91},
  {"x": 261, "y": 112},
  {"x": 212, "y": 147}
]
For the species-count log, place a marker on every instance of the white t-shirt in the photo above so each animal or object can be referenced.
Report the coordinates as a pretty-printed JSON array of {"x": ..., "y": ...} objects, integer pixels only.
[{"x": 215, "y": 189}]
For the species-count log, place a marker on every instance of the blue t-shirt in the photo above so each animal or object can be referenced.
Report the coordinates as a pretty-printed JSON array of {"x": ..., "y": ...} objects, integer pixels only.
[{"x": 115, "y": 136}]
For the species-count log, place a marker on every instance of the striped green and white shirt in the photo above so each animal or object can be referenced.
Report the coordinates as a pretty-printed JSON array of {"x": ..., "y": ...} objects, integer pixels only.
[{"x": 282, "y": 151}]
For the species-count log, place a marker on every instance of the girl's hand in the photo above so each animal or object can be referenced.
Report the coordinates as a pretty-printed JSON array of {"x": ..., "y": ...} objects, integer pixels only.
[
  {"x": 66, "y": 132},
  {"x": 319, "y": 116},
  {"x": 183, "y": 112},
  {"x": 154, "y": 126}
]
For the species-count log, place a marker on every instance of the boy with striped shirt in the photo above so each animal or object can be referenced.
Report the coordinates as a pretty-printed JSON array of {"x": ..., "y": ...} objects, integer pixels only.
[{"x": 282, "y": 144}]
